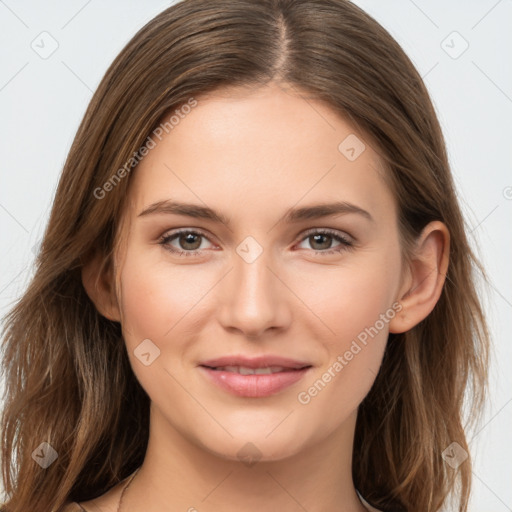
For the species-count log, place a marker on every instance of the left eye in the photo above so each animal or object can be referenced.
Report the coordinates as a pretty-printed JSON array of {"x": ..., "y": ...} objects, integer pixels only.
[
  {"x": 189, "y": 242},
  {"x": 324, "y": 238}
]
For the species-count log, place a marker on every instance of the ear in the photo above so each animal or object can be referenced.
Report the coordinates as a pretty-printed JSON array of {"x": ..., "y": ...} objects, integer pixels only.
[
  {"x": 98, "y": 281},
  {"x": 425, "y": 277}
]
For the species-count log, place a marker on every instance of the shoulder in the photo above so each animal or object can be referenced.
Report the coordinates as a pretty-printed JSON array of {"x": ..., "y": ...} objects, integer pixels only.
[
  {"x": 72, "y": 507},
  {"x": 67, "y": 507},
  {"x": 371, "y": 509},
  {"x": 366, "y": 504}
]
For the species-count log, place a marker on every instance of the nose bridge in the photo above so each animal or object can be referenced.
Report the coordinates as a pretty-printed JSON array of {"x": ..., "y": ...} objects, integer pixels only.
[{"x": 253, "y": 298}]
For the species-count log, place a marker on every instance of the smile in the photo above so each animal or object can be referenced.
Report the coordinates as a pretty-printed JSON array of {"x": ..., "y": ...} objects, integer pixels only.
[
  {"x": 244, "y": 370},
  {"x": 253, "y": 382}
]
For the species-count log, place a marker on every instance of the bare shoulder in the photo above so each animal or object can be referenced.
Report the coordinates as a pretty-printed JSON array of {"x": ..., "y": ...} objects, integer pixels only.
[
  {"x": 107, "y": 502},
  {"x": 104, "y": 503},
  {"x": 370, "y": 508},
  {"x": 72, "y": 507},
  {"x": 367, "y": 505},
  {"x": 88, "y": 506}
]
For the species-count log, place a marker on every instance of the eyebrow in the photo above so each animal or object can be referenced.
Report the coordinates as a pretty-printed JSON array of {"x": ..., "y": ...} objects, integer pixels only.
[{"x": 293, "y": 215}]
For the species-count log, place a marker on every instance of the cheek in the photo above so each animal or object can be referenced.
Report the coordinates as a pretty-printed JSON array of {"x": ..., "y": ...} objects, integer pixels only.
[
  {"x": 148, "y": 308},
  {"x": 154, "y": 299},
  {"x": 356, "y": 304},
  {"x": 350, "y": 299},
  {"x": 155, "y": 302}
]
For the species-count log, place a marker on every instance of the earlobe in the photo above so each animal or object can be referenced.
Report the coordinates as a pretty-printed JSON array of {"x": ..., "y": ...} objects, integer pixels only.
[
  {"x": 98, "y": 281},
  {"x": 427, "y": 273}
]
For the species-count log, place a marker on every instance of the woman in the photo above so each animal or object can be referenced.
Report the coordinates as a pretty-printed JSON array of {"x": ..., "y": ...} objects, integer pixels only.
[{"x": 255, "y": 291}]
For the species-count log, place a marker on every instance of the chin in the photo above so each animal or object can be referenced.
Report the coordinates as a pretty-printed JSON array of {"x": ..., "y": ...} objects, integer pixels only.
[{"x": 254, "y": 445}]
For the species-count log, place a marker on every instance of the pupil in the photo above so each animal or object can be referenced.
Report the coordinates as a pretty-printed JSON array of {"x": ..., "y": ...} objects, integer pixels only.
[
  {"x": 188, "y": 238},
  {"x": 325, "y": 245}
]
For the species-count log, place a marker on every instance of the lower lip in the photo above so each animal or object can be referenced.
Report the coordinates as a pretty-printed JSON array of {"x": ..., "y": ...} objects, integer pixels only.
[{"x": 254, "y": 386}]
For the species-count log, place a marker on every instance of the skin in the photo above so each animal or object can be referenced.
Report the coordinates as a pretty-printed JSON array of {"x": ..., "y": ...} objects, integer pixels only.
[{"x": 252, "y": 155}]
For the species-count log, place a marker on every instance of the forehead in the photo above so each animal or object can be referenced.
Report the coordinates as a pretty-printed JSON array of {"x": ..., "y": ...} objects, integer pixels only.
[{"x": 250, "y": 152}]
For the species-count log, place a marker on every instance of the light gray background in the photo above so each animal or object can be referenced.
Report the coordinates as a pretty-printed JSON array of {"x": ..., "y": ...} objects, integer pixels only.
[{"x": 42, "y": 102}]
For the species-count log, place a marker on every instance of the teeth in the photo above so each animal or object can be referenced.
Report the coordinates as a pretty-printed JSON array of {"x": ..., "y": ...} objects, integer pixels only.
[{"x": 243, "y": 370}]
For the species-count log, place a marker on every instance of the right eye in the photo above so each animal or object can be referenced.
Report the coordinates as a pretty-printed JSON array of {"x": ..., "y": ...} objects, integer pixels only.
[{"x": 189, "y": 242}]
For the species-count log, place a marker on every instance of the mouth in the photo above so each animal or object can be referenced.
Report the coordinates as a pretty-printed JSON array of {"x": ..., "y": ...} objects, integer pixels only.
[
  {"x": 245, "y": 370},
  {"x": 254, "y": 378}
]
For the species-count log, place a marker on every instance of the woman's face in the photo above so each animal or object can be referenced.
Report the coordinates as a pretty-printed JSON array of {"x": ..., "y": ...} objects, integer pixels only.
[{"x": 277, "y": 281}]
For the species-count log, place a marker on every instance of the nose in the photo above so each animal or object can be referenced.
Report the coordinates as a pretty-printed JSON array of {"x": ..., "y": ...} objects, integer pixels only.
[{"x": 255, "y": 300}]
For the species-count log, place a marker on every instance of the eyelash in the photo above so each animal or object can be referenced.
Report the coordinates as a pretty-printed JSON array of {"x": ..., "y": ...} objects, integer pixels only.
[{"x": 345, "y": 244}]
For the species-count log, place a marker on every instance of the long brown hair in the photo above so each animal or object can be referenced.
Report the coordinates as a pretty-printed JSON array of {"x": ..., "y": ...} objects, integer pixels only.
[{"x": 68, "y": 378}]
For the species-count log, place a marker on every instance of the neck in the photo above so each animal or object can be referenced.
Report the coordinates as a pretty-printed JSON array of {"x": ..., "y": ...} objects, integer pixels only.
[{"x": 184, "y": 476}]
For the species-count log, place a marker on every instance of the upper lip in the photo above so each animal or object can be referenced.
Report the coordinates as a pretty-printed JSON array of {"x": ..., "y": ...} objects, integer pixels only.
[{"x": 255, "y": 362}]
